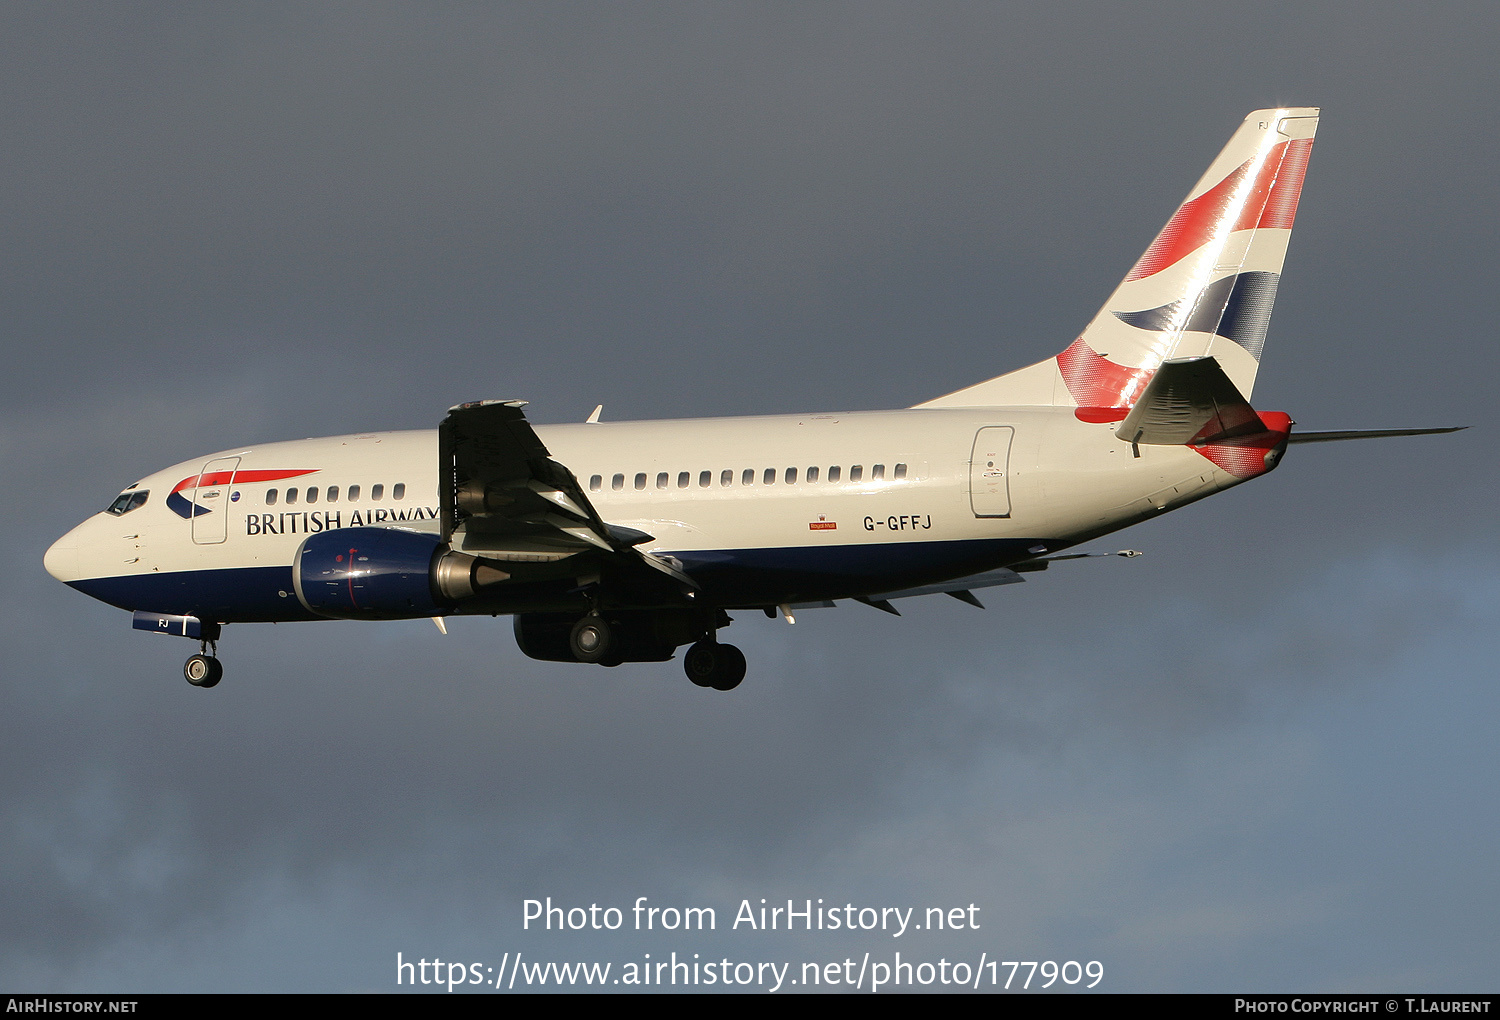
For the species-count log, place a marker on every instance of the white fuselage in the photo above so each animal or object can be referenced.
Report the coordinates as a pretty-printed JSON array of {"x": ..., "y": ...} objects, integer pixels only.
[{"x": 768, "y": 509}]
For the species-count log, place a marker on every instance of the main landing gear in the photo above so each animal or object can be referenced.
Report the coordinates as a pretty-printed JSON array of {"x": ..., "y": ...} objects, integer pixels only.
[
  {"x": 592, "y": 640},
  {"x": 609, "y": 636},
  {"x": 710, "y": 664}
]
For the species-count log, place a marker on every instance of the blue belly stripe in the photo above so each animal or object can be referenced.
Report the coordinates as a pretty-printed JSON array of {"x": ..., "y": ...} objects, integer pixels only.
[
  {"x": 729, "y": 577},
  {"x": 237, "y": 595}
]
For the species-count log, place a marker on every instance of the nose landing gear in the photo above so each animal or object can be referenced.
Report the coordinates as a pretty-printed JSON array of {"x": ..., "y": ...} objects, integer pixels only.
[{"x": 204, "y": 669}]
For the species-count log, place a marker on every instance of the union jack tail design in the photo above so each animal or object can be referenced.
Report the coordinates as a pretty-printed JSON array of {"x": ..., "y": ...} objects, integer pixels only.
[{"x": 1204, "y": 287}]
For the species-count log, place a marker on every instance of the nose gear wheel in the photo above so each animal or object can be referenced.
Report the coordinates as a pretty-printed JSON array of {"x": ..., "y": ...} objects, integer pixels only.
[{"x": 203, "y": 670}]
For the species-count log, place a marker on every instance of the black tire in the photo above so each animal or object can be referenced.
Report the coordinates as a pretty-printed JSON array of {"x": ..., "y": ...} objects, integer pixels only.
[
  {"x": 731, "y": 668},
  {"x": 700, "y": 662},
  {"x": 202, "y": 670},
  {"x": 591, "y": 639},
  {"x": 709, "y": 664}
]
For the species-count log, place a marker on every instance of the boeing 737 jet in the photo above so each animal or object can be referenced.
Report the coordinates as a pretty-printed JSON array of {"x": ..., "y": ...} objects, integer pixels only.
[{"x": 613, "y": 542}]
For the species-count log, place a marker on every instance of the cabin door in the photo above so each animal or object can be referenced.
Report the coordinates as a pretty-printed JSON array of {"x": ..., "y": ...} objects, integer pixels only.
[{"x": 210, "y": 499}]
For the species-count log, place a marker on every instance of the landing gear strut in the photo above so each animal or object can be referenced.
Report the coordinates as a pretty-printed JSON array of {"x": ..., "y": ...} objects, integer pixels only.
[{"x": 710, "y": 664}]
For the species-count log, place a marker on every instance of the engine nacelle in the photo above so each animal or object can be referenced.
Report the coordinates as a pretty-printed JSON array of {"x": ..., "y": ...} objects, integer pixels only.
[
  {"x": 384, "y": 574},
  {"x": 637, "y": 636}
]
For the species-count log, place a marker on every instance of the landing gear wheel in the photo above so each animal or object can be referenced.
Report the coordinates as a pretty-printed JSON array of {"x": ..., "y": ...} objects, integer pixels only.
[
  {"x": 699, "y": 663},
  {"x": 203, "y": 670},
  {"x": 732, "y": 668},
  {"x": 709, "y": 664},
  {"x": 591, "y": 639}
]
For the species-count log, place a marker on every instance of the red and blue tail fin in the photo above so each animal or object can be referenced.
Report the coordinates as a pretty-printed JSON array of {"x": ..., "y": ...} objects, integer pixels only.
[{"x": 1203, "y": 288}]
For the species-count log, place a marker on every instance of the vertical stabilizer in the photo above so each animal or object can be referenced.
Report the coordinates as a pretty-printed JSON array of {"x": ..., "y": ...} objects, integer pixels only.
[{"x": 1204, "y": 287}]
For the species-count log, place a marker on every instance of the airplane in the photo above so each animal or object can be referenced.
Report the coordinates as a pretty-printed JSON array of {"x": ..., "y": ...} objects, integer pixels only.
[{"x": 612, "y": 542}]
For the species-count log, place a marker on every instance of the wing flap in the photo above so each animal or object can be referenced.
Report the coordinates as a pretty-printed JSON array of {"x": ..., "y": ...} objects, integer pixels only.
[
  {"x": 505, "y": 498},
  {"x": 502, "y": 482}
]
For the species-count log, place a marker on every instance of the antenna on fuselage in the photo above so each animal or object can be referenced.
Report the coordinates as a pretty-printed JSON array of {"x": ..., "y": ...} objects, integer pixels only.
[{"x": 593, "y": 419}]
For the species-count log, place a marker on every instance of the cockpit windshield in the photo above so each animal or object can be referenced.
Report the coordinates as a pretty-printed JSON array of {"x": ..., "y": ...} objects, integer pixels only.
[{"x": 128, "y": 501}]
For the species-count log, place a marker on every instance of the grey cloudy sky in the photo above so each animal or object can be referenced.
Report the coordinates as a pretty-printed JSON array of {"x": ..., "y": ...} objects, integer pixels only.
[{"x": 1259, "y": 758}]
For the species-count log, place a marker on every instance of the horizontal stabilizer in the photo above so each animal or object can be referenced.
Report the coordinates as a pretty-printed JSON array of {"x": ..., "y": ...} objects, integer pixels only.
[
  {"x": 1333, "y": 437},
  {"x": 1189, "y": 400}
]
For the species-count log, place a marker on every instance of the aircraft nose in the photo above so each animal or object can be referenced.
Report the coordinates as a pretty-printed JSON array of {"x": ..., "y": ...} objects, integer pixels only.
[{"x": 61, "y": 560}]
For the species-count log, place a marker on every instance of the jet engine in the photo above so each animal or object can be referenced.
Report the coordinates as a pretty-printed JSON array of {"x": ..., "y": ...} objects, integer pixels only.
[
  {"x": 634, "y": 635},
  {"x": 385, "y": 574}
]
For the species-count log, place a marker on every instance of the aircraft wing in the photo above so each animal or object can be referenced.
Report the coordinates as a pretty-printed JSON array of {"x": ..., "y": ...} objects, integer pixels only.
[
  {"x": 961, "y": 588},
  {"x": 987, "y": 579},
  {"x": 504, "y": 498}
]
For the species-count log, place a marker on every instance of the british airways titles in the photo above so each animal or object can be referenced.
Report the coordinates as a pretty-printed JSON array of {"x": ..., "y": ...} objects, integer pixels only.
[{"x": 310, "y": 522}]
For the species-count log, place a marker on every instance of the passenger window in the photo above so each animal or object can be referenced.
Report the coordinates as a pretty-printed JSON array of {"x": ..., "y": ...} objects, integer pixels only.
[
  {"x": 877, "y": 473},
  {"x": 354, "y": 493},
  {"x": 812, "y": 474},
  {"x": 270, "y": 497},
  {"x": 748, "y": 478},
  {"x": 726, "y": 477},
  {"x": 662, "y": 479},
  {"x": 705, "y": 479},
  {"x": 834, "y": 472},
  {"x": 291, "y": 496},
  {"x": 640, "y": 480},
  {"x": 791, "y": 476},
  {"x": 312, "y": 493},
  {"x": 595, "y": 483},
  {"x": 856, "y": 472},
  {"x": 900, "y": 471},
  {"x": 376, "y": 491},
  {"x": 333, "y": 494},
  {"x": 617, "y": 482},
  {"x": 682, "y": 479},
  {"x": 398, "y": 491},
  {"x": 770, "y": 476}
]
